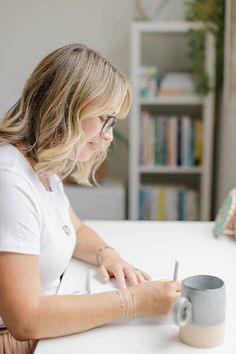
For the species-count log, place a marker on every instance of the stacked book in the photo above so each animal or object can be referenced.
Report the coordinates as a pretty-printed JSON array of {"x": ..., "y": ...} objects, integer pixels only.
[
  {"x": 176, "y": 84},
  {"x": 171, "y": 203},
  {"x": 170, "y": 140}
]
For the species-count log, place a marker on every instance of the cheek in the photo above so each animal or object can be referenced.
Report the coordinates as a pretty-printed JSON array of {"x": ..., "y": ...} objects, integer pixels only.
[{"x": 91, "y": 127}]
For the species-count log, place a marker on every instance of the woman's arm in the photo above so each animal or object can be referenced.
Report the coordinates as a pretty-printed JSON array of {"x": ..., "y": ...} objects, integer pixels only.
[
  {"x": 29, "y": 315},
  {"x": 111, "y": 264},
  {"x": 88, "y": 242}
]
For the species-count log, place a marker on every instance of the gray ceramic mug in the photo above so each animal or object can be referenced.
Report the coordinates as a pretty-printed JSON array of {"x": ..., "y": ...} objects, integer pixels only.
[{"x": 200, "y": 311}]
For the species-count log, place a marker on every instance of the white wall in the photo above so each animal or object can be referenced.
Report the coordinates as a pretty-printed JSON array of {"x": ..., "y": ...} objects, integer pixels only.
[
  {"x": 226, "y": 160},
  {"x": 226, "y": 140},
  {"x": 30, "y": 29}
]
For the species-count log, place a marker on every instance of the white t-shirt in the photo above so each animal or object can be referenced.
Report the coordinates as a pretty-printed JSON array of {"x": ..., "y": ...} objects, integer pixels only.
[{"x": 33, "y": 220}]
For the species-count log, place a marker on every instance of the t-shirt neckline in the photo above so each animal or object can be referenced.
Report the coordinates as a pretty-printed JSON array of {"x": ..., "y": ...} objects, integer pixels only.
[{"x": 32, "y": 170}]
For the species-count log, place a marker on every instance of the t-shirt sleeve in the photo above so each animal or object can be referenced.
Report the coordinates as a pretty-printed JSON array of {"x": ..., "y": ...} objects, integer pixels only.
[{"x": 19, "y": 216}]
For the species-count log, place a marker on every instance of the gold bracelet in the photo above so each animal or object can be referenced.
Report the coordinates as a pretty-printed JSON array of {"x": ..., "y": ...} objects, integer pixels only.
[
  {"x": 121, "y": 304},
  {"x": 99, "y": 252},
  {"x": 127, "y": 303},
  {"x": 132, "y": 292}
]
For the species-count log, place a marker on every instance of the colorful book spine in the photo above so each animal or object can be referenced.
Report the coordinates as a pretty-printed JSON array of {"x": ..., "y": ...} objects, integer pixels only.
[
  {"x": 170, "y": 140},
  {"x": 198, "y": 142},
  {"x": 164, "y": 202},
  {"x": 178, "y": 157}
]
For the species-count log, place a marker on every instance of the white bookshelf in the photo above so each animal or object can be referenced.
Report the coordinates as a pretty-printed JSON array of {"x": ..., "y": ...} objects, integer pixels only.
[{"x": 199, "y": 175}]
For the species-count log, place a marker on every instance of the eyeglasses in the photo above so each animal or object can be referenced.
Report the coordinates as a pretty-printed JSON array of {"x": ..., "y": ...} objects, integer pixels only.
[{"x": 109, "y": 123}]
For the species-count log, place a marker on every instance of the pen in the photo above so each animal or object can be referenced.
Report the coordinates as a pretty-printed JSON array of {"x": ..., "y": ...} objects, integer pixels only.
[{"x": 176, "y": 269}]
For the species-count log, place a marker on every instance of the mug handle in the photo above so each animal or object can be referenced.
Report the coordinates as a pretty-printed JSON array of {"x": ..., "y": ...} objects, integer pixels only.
[{"x": 182, "y": 311}]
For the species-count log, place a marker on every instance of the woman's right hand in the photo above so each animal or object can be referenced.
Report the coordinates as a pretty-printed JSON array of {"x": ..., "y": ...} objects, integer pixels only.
[{"x": 155, "y": 298}]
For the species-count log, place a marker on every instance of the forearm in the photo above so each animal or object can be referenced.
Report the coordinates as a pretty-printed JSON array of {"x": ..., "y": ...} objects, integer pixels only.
[
  {"x": 87, "y": 245},
  {"x": 60, "y": 315}
]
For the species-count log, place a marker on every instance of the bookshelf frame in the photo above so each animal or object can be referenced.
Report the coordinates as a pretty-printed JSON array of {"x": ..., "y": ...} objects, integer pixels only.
[{"x": 205, "y": 102}]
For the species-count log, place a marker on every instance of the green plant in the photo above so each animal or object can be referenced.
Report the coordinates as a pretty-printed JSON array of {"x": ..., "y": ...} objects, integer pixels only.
[{"x": 211, "y": 14}]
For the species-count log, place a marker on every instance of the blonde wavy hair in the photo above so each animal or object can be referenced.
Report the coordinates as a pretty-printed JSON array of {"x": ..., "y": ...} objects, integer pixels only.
[{"x": 70, "y": 84}]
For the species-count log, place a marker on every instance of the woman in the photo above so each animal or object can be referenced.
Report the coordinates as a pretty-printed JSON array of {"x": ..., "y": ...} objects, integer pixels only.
[{"x": 62, "y": 125}]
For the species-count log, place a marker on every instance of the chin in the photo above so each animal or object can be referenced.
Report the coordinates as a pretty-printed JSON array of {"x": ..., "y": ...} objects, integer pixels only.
[
  {"x": 80, "y": 158},
  {"x": 84, "y": 157}
]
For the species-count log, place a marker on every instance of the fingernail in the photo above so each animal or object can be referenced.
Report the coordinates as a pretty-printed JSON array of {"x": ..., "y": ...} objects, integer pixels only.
[{"x": 105, "y": 279}]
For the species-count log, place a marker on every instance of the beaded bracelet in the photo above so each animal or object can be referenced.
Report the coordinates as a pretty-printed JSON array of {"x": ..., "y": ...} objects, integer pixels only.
[{"x": 99, "y": 252}]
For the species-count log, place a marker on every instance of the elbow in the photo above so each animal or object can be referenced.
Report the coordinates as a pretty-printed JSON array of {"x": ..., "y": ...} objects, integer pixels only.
[
  {"x": 23, "y": 333},
  {"x": 23, "y": 329}
]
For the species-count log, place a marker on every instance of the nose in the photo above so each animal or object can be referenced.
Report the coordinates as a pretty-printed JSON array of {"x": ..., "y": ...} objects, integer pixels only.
[{"x": 108, "y": 136}]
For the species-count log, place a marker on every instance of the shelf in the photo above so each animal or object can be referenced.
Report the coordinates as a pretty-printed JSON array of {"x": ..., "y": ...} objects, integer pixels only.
[
  {"x": 170, "y": 169},
  {"x": 163, "y": 43},
  {"x": 172, "y": 100},
  {"x": 166, "y": 26}
]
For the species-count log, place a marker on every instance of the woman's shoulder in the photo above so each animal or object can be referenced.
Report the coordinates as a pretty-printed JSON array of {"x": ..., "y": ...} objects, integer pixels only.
[
  {"x": 14, "y": 173},
  {"x": 13, "y": 164},
  {"x": 8, "y": 156}
]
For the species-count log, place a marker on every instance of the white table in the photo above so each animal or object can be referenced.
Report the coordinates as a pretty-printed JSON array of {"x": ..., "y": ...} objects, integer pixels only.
[{"x": 145, "y": 244}]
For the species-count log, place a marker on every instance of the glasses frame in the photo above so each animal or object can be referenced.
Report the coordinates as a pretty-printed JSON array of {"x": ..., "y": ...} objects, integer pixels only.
[{"x": 106, "y": 126}]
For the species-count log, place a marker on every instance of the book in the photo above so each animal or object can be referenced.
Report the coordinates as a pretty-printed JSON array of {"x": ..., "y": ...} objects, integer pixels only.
[
  {"x": 198, "y": 141},
  {"x": 172, "y": 141},
  {"x": 186, "y": 141},
  {"x": 176, "y": 84}
]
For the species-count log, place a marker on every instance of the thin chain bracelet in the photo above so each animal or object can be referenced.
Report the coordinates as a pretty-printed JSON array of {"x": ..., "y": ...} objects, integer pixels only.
[
  {"x": 121, "y": 304},
  {"x": 132, "y": 292},
  {"x": 100, "y": 251},
  {"x": 127, "y": 302}
]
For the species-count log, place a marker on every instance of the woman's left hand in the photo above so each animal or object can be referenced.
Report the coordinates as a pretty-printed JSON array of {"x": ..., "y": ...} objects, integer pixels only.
[{"x": 112, "y": 265}]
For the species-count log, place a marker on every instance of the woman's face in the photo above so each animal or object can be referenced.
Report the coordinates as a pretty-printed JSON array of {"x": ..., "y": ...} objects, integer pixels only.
[{"x": 92, "y": 137}]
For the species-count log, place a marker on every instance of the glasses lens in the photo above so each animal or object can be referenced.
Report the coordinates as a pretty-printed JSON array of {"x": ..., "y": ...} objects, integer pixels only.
[{"x": 110, "y": 122}]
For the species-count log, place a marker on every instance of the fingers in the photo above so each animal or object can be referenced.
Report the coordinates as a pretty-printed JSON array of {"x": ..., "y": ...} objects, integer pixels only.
[
  {"x": 145, "y": 275},
  {"x": 140, "y": 277},
  {"x": 173, "y": 287},
  {"x": 174, "y": 284},
  {"x": 135, "y": 276},
  {"x": 103, "y": 274},
  {"x": 120, "y": 277},
  {"x": 132, "y": 276},
  {"x": 122, "y": 273},
  {"x": 178, "y": 285}
]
